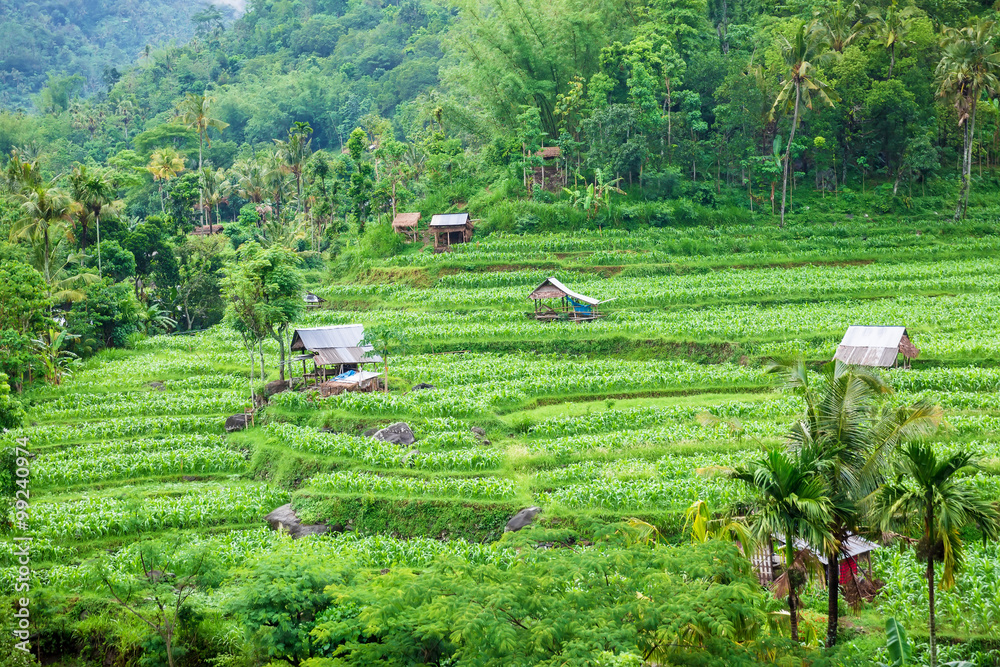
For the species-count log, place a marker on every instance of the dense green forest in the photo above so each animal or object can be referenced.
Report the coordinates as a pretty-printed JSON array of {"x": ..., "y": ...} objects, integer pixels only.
[
  {"x": 79, "y": 48},
  {"x": 738, "y": 180}
]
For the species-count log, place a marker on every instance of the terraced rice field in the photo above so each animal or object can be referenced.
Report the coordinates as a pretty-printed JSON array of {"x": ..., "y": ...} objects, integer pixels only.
[{"x": 592, "y": 422}]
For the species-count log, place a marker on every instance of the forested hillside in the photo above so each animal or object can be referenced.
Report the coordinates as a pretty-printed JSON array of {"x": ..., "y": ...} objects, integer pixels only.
[
  {"x": 79, "y": 47},
  {"x": 668, "y": 214}
]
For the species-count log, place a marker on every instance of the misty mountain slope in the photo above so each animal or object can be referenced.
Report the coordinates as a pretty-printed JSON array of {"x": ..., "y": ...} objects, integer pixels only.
[{"x": 85, "y": 38}]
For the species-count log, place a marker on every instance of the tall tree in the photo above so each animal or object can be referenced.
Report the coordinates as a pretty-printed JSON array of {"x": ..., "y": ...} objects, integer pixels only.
[
  {"x": 264, "y": 291},
  {"x": 969, "y": 68},
  {"x": 930, "y": 495},
  {"x": 165, "y": 164},
  {"x": 839, "y": 26},
  {"x": 792, "y": 502},
  {"x": 799, "y": 86},
  {"x": 295, "y": 152},
  {"x": 94, "y": 193},
  {"x": 891, "y": 26},
  {"x": 195, "y": 111},
  {"x": 853, "y": 436}
]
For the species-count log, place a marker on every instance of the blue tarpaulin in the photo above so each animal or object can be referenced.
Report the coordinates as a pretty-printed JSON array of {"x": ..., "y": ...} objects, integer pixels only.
[{"x": 344, "y": 376}]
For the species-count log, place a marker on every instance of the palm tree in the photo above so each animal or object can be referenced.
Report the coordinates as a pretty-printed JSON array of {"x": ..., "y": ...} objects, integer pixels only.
[
  {"x": 46, "y": 209},
  {"x": 890, "y": 27},
  {"x": 251, "y": 179},
  {"x": 792, "y": 502},
  {"x": 165, "y": 164},
  {"x": 845, "y": 425},
  {"x": 799, "y": 87},
  {"x": 94, "y": 193},
  {"x": 839, "y": 26},
  {"x": 195, "y": 111},
  {"x": 928, "y": 494},
  {"x": 216, "y": 188},
  {"x": 969, "y": 67},
  {"x": 295, "y": 151}
]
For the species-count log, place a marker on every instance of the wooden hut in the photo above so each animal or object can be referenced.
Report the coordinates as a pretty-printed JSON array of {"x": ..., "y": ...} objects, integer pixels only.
[
  {"x": 313, "y": 301},
  {"x": 449, "y": 229},
  {"x": 855, "y": 554},
  {"x": 555, "y": 301},
  {"x": 875, "y": 346},
  {"x": 207, "y": 230},
  {"x": 406, "y": 224},
  {"x": 549, "y": 173},
  {"x": 333, "y": 350}
]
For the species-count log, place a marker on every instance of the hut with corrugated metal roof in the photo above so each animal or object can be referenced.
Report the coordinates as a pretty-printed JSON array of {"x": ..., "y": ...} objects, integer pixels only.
[
  {"x": 876, "y": 346},
  {"x": 406, "y": 224},
  {"x": 334, "y": 350},
  {"x": 554, "y": 301},
  {"x": 449, "y": 229}
]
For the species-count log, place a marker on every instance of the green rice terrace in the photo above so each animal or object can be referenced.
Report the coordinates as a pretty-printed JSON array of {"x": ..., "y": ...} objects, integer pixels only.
[{"x": 595, "y": 423}]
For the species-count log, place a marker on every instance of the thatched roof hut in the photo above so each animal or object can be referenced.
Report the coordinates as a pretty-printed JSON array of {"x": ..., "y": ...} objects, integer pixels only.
[
  {"x": 406, "y": 224},
  {"x": 572, "y": 305},
  {"x": 875, "y": 346}
]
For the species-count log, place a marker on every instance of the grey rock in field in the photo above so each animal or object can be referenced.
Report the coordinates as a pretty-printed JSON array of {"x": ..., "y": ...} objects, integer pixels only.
[
  {"x": 478, "y": 431},
  {"x": 398, "y": 434},
  {"x": 521, "y": 519},
  {"x": 422, "y": 385},
  {"x": 156, "y": 386},
  {"x": 486, "y": 442},
  {"x": 284, "y": 518},
  {"x": 237, "y": 423},
  {"x": 275, "y": 387}
]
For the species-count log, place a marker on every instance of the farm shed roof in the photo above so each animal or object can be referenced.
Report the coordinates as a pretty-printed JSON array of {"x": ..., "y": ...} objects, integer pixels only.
[
  {"x": 852, "y": 547},
  {"x": 450, "y": 220},
  {"x": 334, "y": 356},
  {"x": 553, "y": 289},
  {"x": 874, "y": 346},
  {"x": 549, "y": 152},
  {"x": 405, "y": 220},
  {"x": 334, "y": 345}
]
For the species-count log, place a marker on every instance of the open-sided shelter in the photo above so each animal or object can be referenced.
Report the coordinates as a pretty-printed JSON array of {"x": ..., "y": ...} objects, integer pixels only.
[
  {"x": 313, "y": 301},
  {"x": 555, "y": 301},
  {"x": 335, "y": 350},
  {"x": 449, "y": 229},
  {"x": 406, "y": 224},
  {"x": 875, "y": 346}
]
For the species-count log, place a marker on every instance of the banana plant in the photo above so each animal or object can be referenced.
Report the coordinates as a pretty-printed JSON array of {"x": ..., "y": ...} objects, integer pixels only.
[{"x": 901, "y": 651}]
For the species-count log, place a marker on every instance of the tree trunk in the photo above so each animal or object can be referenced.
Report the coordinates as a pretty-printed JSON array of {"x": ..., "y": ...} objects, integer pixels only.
[
  {"x": 100, "y": 273},
  {"x": 788, "y": 151},
  {"x": 793, "y": 618},
  {"x": 833, "y": 600},
  {"x": 930, "y": 596},
  {"x": 201, "y": 184}
]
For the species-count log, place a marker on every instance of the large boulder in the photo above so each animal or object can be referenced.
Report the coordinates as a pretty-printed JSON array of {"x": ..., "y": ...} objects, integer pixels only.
[
  {"x": 521, "y": 519},
  {"x": 237, "y": 422},
  {"x": 422, "y": 385},
  {"x": 478, "y": 432},
  {"x": 156, "y": 385},
  {"x": 398, "y": 434},
  {"x": 275, "y": 387},
  {"x": 284, "y": 518}
]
